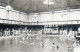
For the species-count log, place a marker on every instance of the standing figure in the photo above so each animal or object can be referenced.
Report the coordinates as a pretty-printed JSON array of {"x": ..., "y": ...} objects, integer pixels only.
[
  {"x": 53, "y": 46},
  {"x": 57, "y": 47}
]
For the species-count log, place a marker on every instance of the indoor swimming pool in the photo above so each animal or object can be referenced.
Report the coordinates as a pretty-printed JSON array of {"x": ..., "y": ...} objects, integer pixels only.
[{"x": 37, "y": 44}]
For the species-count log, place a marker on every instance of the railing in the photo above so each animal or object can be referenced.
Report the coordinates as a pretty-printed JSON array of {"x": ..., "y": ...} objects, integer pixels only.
[
  {"x": 55, "y": 22},
  {"x": 7, "y": 21}
]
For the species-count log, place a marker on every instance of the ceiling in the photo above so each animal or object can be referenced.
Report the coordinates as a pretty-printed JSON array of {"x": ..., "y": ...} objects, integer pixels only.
[{"x": 29, "y": 6}]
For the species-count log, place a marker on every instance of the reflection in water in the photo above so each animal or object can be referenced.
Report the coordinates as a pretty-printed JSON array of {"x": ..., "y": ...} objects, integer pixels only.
[{"x": 36, "y": 44}]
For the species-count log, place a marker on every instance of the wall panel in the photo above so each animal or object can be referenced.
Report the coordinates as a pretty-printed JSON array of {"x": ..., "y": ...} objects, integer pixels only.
[
  {"x": 46, "y": 17},
  {"x": 23, "y": 17},
  {"x": 75, "y": 15},
  {"x": 14, "y": 15},
  {"x": 2, "y": 13},
  {"x": 33, "y": 18},
  {"x": 57, "y": 17}
]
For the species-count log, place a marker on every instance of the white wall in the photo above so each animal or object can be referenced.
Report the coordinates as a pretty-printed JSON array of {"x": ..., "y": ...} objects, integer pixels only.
[
  {"x": 59, "y": 16},
  {"x": 46, "y": 17},
  {"x": 2, "y": 13},
  {"x": 23, "y": 17},
  {"x": 75, "y": 15},
  {"x": 33, "y": 18},
  {"x": 13, "y": 15},
  {"x": 62, "y": 16},
  {"x": 18, "y": 16}
]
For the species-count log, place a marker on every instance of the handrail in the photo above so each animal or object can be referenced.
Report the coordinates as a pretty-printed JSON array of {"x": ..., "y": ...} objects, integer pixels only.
[
  {"x": 53, "y": 21},
  {"x": 40, "y": 23}
]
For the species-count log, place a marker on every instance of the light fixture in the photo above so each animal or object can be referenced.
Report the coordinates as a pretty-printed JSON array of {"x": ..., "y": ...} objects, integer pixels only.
[
  {"x": 8, "y": 7},
  {"x": 48, "y": 2}
]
